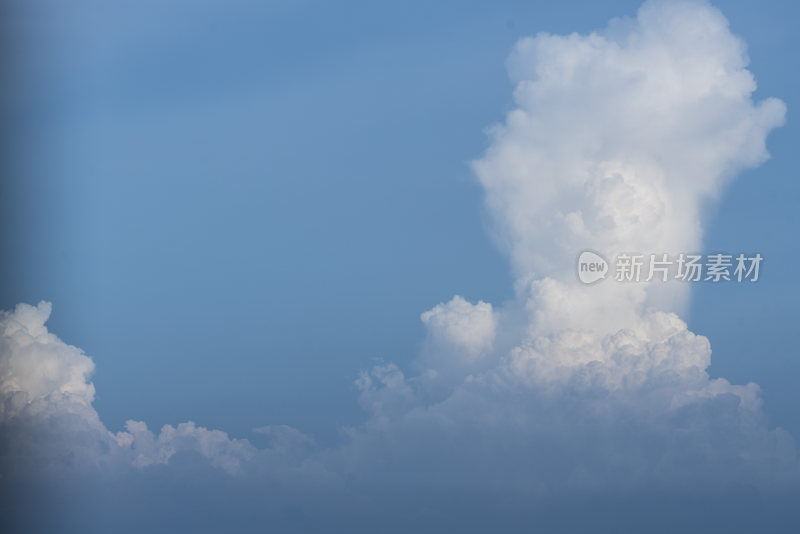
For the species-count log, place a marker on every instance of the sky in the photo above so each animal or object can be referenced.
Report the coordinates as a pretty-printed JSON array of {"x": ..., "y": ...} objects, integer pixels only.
[{"x": 257, "y": 216}]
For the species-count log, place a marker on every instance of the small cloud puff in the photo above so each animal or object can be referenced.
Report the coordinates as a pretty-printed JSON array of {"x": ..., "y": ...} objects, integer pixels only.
[{"x": 467, "y": 328}]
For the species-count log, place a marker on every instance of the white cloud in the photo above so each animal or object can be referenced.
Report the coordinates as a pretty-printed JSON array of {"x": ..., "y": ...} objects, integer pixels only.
[
  {"x": 47, "y": 398},
  {"x": 469, "y": 328},
  {"x": 215, "y": 445},
  {"x": 619, "y": 136},
  {"x": 617, "y": 140},
  {"x": 38, "y": 372}
]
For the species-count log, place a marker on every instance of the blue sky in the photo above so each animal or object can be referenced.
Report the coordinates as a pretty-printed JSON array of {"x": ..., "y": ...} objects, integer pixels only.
[
  {"x": 218, "y": 198},
  {"x": 237, "y": 207}
]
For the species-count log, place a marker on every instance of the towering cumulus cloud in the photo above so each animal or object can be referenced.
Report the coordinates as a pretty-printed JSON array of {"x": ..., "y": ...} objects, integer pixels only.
[{"x": 618, "y": 139}]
